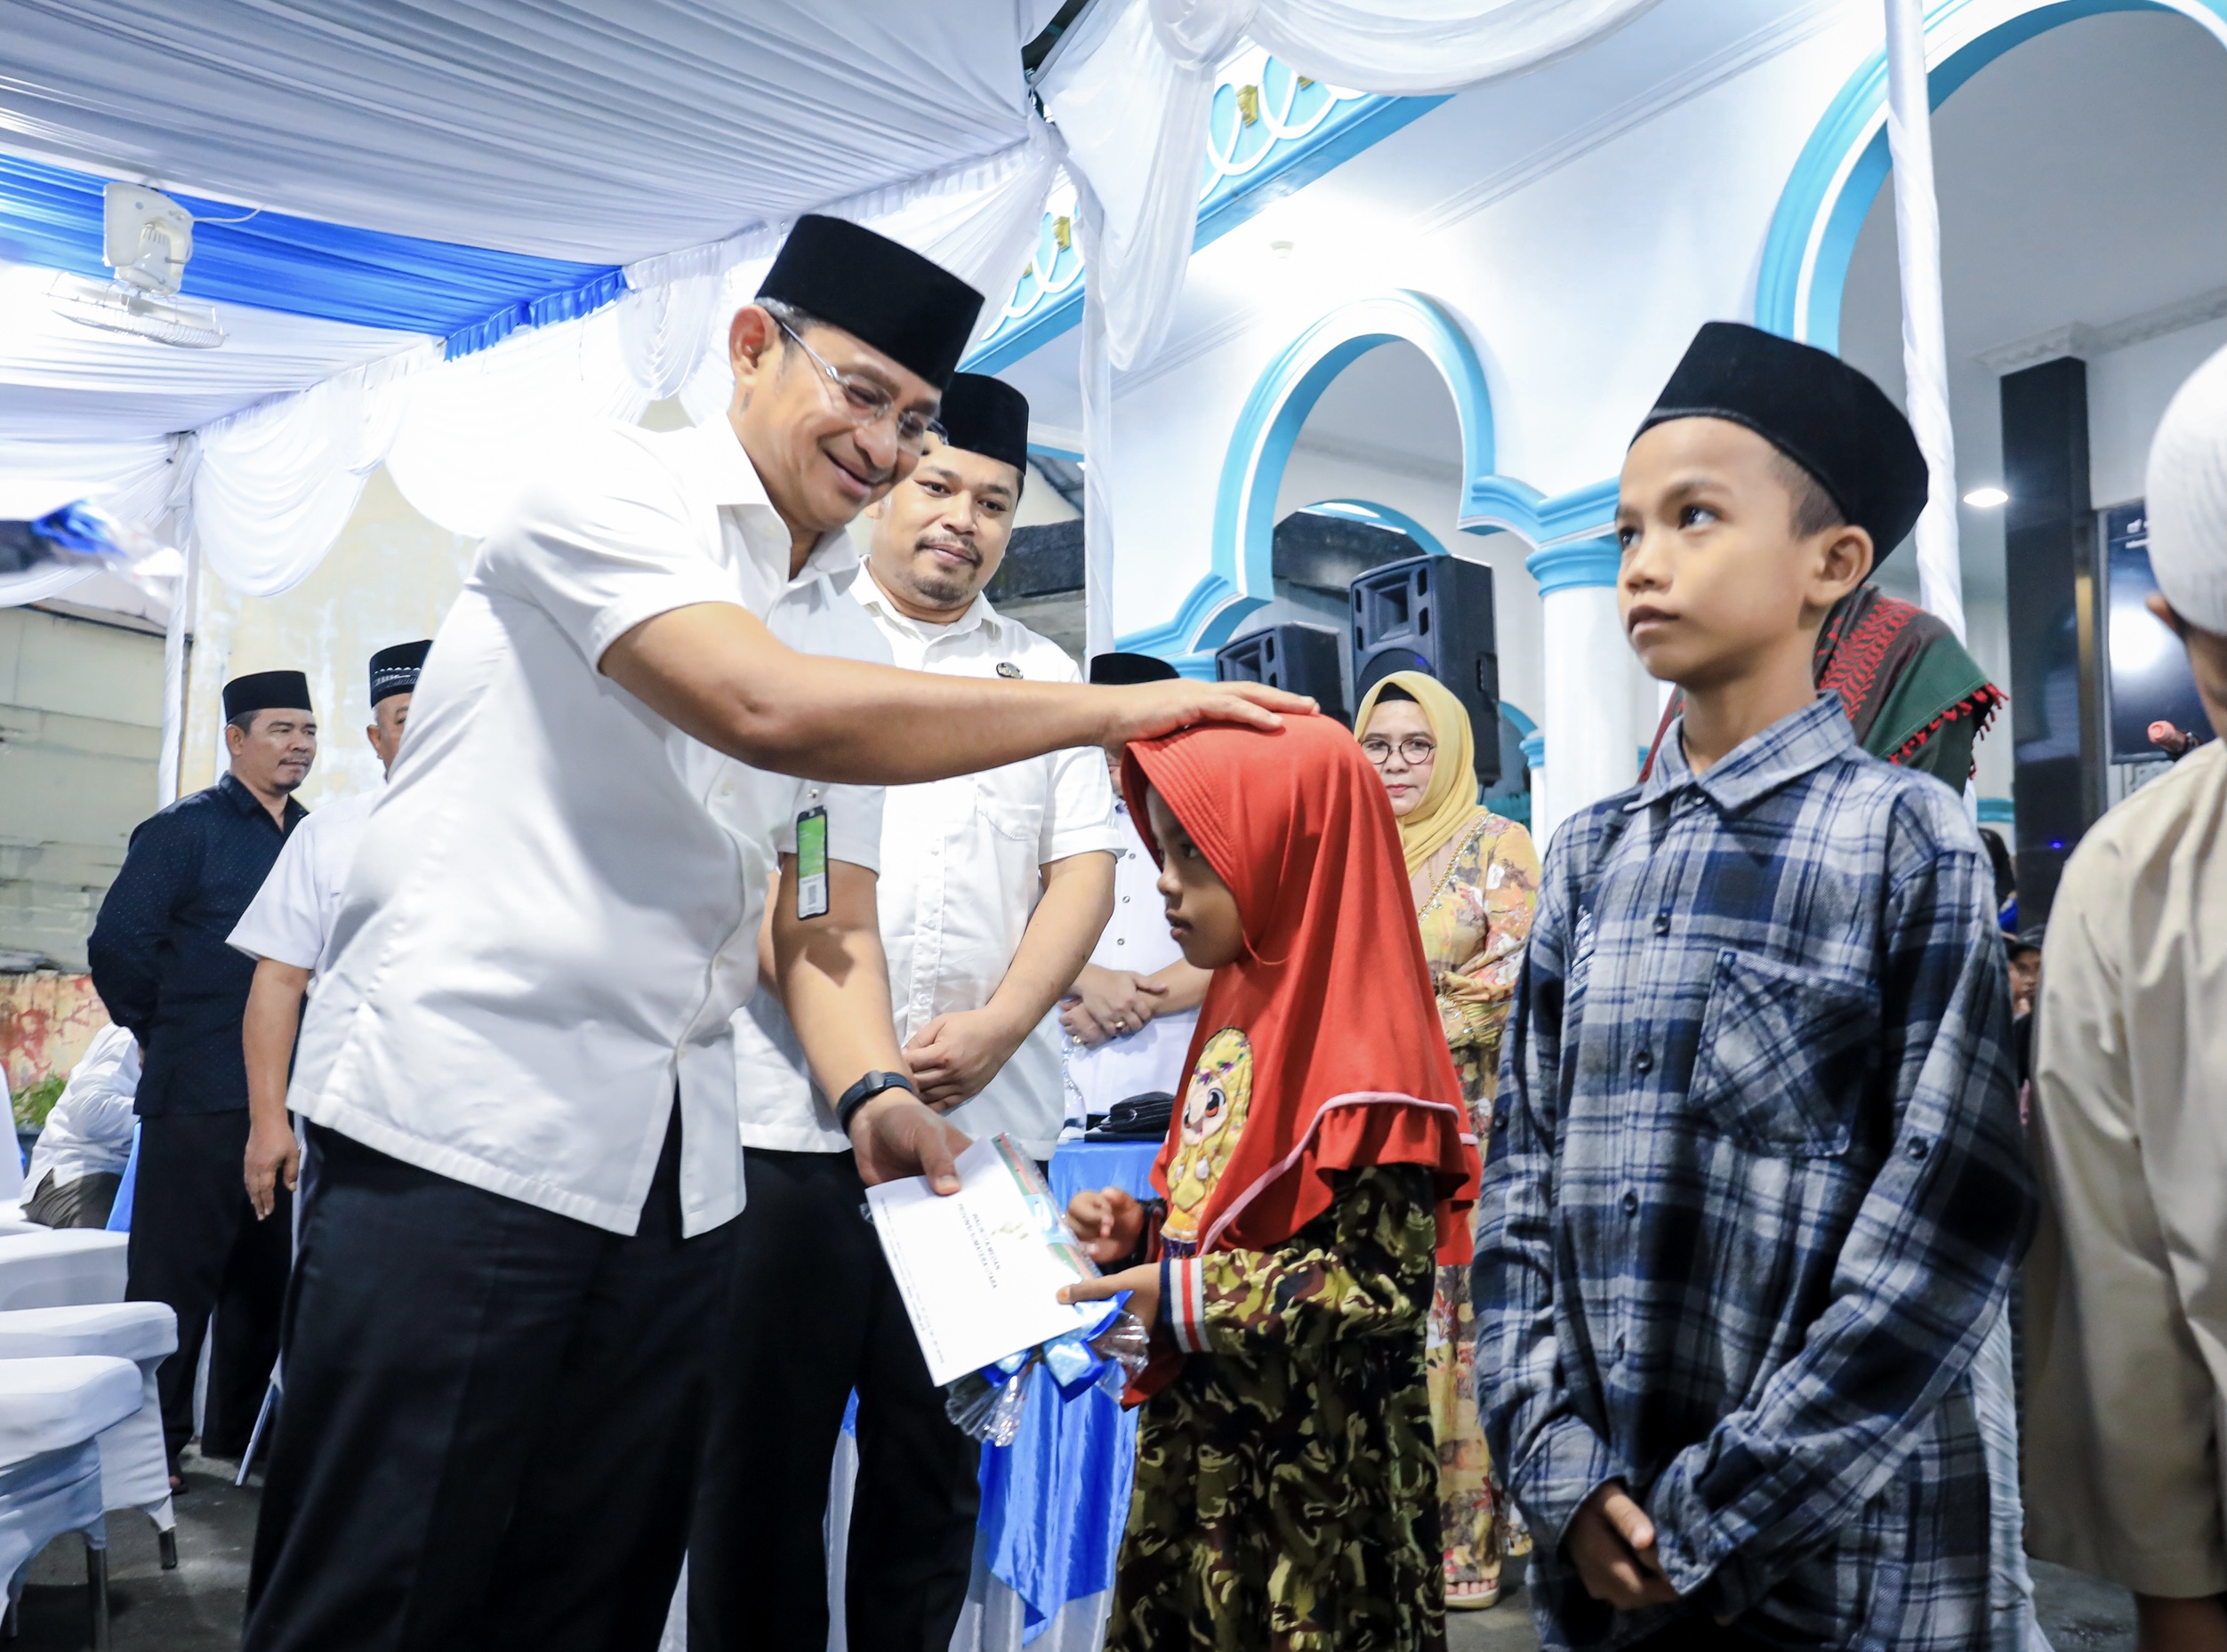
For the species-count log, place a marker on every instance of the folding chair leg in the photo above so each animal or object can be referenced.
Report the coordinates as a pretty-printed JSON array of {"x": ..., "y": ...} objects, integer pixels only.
[
  {"x": 97, "y": 1586},
  {"x": 167, "y": 1543},
  {"x": 255, "y": 1436}
]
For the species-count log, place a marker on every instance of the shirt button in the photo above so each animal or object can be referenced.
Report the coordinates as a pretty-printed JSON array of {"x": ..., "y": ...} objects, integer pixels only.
[
  {"x": 1124, "y": 899},
  {"x": 1662, "y": 923},
  {"x": 1643, "y": 1063},
  {"x": 1119, "y": 942},
  {"x": 1917, "y": 1148},
  {"x": 1631, "y": 1203}
]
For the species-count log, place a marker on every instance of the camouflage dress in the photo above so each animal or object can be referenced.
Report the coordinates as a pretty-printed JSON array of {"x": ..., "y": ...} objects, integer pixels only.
[{"x": 1287, "y": 1482}]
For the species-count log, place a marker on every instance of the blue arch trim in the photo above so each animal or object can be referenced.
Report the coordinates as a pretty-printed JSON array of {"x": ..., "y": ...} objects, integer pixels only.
[
  {"x": 1577, "y": 564},
  {"x": 1242, "y": 577},
  {"x": 1822, "y": 210},
  {"x": 1383, "y": 516}
]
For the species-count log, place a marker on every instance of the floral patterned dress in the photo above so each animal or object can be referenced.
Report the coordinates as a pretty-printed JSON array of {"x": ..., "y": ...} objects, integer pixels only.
[{"x": 1483, "y": 888}]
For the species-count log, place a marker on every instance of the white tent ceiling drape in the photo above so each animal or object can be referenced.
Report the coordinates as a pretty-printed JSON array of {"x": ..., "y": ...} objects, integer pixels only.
[
  {"x": 643, "y": 136},
  {"x": 603, "y": 132}
]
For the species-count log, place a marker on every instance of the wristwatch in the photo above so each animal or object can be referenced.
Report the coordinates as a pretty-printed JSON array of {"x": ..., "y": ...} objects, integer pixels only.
[{"x": 865, "y": 1090}]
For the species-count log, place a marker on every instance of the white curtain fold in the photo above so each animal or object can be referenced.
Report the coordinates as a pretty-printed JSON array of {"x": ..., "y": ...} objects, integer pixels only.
[
  {"x": 979, "y": 221},
  {"x": 1130, "y": 93},
  {"x": 474, "y": 429},
  {"x": 277, "y": 483},
  {"x": 133, "y": 481}
]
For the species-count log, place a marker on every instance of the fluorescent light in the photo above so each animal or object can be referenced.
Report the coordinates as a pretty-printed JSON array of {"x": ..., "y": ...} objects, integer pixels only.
[{"x": 1986, "y": 498}]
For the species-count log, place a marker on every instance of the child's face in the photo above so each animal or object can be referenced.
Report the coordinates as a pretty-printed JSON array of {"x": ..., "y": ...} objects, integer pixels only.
[
  {"x": 1714, "y": 581},
  {"x": 1202, "y": 911}
]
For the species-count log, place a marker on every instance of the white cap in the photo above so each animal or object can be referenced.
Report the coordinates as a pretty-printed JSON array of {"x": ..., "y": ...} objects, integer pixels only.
[{"x": 2186, "y": 499}]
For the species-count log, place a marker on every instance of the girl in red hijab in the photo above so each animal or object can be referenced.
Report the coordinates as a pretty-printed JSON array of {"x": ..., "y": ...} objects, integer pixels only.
[{"x": 1320, "y": 1162}]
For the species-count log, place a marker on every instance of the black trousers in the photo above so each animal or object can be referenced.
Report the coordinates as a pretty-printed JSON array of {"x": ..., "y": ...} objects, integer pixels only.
[
  {"x": 196, "y": 1245},
  {"x": 814, "y": 1314},
  {"x": 83, "y": 1202},
  {"x": 492, "y": 1419}
]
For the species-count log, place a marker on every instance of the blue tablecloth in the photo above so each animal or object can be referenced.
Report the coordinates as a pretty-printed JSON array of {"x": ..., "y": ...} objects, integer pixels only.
[{"x": 1054, "y": 1500}]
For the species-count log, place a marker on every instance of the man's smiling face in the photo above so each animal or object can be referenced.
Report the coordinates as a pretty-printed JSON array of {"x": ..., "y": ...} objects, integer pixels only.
[{"x": 819, "y": 465}]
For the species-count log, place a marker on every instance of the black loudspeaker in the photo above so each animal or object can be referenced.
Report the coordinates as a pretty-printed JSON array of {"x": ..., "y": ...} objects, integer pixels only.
[
  {"x": 1300, "y": 658},
  {"x": 1434, "y": 615}
]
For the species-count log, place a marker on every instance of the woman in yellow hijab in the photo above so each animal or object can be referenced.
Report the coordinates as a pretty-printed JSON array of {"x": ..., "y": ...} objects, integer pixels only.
[{"x": 1475, "y": 877}]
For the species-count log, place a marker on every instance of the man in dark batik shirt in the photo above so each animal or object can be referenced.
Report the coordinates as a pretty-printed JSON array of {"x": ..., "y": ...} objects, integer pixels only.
[{"x": 162, "y": 968}]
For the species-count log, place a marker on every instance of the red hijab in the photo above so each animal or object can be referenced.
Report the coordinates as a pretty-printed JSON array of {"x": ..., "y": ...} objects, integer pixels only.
[{"x": 1320, "y": 1049}]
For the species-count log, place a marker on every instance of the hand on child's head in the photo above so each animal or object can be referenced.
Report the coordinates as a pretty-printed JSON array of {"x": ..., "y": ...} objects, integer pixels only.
[
  {"x": 1202, "y": 911},
  {"x": 1729, "y": 550}
]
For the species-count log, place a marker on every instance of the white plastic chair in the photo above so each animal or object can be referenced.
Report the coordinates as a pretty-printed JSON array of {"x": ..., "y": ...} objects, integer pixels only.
[
  {"x": 61, "y": 1267},
  {"x": 134, "y": 1471},
  {"x": 52, "y": 1414}
]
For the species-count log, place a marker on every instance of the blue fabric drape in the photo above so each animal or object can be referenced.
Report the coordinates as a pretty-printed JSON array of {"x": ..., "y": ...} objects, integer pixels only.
[
  {"x": 1054, "y": 1502},
  {"x": 471, "y": 296}
]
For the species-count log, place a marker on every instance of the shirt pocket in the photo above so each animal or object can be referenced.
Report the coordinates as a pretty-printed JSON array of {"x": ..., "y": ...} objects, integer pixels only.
[
  {"x": 1011, "y": 803},
  {"x": 1783, "y": 1055}
]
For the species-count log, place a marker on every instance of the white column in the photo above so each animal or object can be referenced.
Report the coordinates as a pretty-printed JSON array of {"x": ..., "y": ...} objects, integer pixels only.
[
  {"x": 1925, "y": 334},
  {"x": 1589, "y": 716}
]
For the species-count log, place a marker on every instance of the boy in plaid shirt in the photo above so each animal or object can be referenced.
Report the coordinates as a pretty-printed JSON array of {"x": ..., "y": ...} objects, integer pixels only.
[{"x": 1757, "y": 1186}]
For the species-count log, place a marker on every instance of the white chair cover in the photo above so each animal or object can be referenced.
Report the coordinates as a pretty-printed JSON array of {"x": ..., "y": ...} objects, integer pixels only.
[
  {"x": 41, "y": 1498},
  {"x": 134, "y": 1471},
  {"x": 61, "y": 1267},
  {"x": 49, "y": 1405}
]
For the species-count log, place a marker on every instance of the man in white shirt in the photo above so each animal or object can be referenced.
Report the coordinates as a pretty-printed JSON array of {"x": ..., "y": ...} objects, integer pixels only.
[
  {"x": 502, "y": 1308},
  {"x": 287, "y": 929},
  {"x": 77, "y": 1163},
  {"x": 993, "y": 886},
  {"x": 1130, "y": 1014}
]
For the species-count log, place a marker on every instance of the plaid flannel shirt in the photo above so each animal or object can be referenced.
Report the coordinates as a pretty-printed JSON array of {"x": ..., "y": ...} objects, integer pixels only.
[{"x": 1755, "y": 1192}]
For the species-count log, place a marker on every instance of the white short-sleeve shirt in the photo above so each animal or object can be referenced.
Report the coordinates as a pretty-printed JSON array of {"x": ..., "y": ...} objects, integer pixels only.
[
  {"x": 1136, "y": 939},
  {"x": 89, "y": 1131},
  {"x": 543, "y": 915},
  {"x": 961, "y": 871},
  {"x": 292, "y": 917},
  {"x": 762, "y": 1064}
]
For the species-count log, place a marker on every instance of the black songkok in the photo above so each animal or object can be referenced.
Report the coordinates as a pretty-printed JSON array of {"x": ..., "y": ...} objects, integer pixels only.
[
  {"x": 395, "y": 670},
  {"x": 266, "y": 691},
  {"x": 986, "y": 416},
  {"x": 1814, "y": 408},
  {"x": 1115, "y": 668},
  {"x": 913, "y": 310}
]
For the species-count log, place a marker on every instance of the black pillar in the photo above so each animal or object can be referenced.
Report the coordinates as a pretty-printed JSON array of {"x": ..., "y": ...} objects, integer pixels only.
[{"x": 2049, "y": 558}]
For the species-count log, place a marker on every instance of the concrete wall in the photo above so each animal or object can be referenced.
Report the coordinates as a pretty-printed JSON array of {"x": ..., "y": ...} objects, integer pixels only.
[{"x": 80, "y": 730}]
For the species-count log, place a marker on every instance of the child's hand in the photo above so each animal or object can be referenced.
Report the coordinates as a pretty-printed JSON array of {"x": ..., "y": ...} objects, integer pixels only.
[
  {"x": 1141, "y": 1282},
  {"x": 1109, "y": 1222},
  {"x": 1611, "y": 1542}
]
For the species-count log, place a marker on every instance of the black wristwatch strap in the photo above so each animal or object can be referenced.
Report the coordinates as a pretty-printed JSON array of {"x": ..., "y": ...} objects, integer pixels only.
[{"x": 865, "y": 1091}]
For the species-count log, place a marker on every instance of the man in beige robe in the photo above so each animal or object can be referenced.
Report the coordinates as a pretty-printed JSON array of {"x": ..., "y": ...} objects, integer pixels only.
[{"x": 2126, "y": 1288}]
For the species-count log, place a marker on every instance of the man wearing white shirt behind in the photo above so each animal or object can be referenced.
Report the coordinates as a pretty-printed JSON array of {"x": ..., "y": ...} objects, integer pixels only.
[
  {"x": 502, "y": 1320},
  {"x": 287, "y": 929},
  {"x": 993, "y": 888},
  {"x": 77, "y": 1163},
  {"x": 1130, "y": 1014}
]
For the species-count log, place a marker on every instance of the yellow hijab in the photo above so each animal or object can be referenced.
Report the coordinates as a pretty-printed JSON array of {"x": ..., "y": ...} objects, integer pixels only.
[{"x": 1450, "y": 802}]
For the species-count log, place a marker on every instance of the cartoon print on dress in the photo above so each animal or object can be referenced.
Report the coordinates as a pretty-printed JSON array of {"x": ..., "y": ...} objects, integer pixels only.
[{"x": 1214, "y": 1108}]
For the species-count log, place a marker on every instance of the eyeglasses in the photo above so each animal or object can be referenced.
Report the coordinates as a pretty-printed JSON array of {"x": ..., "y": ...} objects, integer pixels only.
[
  {"x": 867, "y": 403},
  {"x": 1414, "y": 750}
]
